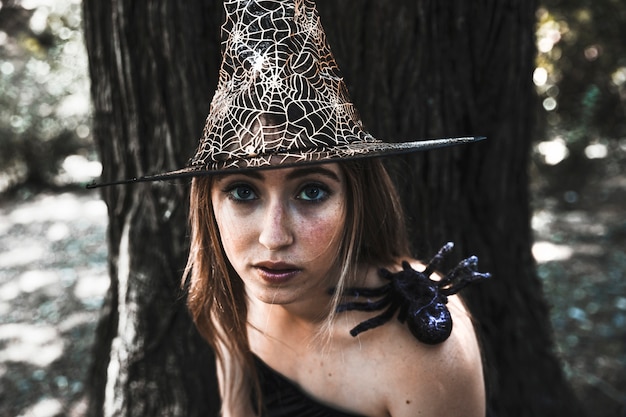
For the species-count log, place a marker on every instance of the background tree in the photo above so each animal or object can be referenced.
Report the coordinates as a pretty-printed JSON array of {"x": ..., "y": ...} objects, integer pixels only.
[
  {"x": 153, "y": 66},
  {"x": 415, "y": 69}
]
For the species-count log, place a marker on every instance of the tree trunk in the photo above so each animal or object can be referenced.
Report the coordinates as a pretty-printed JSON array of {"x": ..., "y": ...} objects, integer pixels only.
[
  {"x": 153, "y": 68},
  {"x": 416, "y": 69}
]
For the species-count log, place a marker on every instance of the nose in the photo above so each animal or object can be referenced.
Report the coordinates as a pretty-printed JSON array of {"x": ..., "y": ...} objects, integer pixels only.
[{"x": 276, "y": 232}]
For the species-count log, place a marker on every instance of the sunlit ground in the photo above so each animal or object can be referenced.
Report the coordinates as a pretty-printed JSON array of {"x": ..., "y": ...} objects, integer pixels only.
[{"x": 52, "y": 280}]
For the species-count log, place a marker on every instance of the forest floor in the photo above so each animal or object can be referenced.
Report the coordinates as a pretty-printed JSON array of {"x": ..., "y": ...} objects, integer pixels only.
[{"x": 53, "y": 277}]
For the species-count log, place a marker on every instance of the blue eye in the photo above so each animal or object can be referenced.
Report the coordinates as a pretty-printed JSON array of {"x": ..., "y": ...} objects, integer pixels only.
[
  {"x": 241, "y": 193},
  {"x": 313, "y": 193}
]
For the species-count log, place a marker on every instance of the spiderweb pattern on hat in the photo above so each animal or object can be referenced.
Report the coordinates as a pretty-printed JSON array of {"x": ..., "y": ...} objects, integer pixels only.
[{"x": 280, "y": 97}]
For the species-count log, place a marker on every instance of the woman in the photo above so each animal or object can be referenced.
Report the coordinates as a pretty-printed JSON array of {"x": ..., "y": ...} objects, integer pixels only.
[
  {"x": 279, "y": 240},
  {"x": 290, "y": 210}
]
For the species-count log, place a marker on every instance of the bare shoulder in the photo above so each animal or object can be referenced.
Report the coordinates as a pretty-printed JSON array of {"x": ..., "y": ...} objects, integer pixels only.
[
  {"x": 430, "y": 380},
  {"x": 435, "y": 380}
]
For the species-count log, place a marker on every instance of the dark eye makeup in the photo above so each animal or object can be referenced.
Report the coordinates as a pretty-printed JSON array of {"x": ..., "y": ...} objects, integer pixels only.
[
  {"x": 313, "y": 192},
  {"x": 307, "y": 190},
  {"x": 240, "y": 192}
]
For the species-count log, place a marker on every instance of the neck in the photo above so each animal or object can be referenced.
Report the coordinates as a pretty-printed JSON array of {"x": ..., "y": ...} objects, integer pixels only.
[
  {"x": 286, "y": 329},
  {"x": 300, "y": 324},
  {"x": 309, "y": 313}
]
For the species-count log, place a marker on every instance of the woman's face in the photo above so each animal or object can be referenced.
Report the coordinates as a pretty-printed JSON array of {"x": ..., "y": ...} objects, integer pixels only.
[{"x": 281, "y": 229}]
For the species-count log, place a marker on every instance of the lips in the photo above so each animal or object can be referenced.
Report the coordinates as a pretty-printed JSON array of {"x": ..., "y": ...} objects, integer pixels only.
[{"x": 276, "y": 272}]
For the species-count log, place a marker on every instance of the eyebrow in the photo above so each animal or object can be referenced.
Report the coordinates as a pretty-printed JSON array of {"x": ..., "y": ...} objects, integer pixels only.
[
  {"x": 302, "y": 172},
  {"x": 295, "y": 174}
]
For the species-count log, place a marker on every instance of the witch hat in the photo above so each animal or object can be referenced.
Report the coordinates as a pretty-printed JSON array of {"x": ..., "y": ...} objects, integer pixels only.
[{"x": 281, "y": 100}]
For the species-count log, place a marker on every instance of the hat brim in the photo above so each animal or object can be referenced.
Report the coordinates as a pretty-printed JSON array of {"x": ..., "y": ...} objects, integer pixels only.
[{"x": 291, "y": 158}]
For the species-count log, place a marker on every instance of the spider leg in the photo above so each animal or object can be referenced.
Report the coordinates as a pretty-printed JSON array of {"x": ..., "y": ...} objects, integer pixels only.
[
  {"x": 374, "y": 321},
  {"x": 364, "y": 292},
  {"x": 436, "y": 260},
  {"x": 406, "y": 266},
  {"x": 462, "y": 275},
  {"x": 403, "y": 313},
  {"x": 476, "y": 276},
  {"x": 464, "y": 268},
  {"x": 364, "y": 306},
  {"x": 387, "y": 274}
]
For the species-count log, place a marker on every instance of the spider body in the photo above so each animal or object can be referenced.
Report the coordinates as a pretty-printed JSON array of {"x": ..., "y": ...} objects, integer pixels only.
[{"x": 419, "y": 300}]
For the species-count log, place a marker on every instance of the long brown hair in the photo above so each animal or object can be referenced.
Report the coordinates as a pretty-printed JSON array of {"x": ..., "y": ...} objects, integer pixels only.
[{"x": 374, "y": 234}]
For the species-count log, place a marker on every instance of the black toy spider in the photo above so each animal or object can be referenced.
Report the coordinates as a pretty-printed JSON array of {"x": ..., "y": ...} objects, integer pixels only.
[{"x": 420, "y": 300}]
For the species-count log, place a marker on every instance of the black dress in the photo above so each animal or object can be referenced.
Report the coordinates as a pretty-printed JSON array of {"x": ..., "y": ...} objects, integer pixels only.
[{"x": 283, "y": 398}]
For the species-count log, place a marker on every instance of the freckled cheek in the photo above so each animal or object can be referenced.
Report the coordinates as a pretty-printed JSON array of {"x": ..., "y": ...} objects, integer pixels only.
[
  {"x": 321, "y": 237},
  {"x": 234, "y": 233}
]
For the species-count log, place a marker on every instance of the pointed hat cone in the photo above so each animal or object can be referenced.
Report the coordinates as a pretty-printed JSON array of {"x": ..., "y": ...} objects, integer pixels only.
[{"x": 281, "y": 99}]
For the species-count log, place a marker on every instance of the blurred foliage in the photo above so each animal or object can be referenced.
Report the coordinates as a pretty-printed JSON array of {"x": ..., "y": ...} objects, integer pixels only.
[
  {"x": 44, "y": 92},
  {"x": 580, "y": 77},
  {"x": 581, "y": 66}
]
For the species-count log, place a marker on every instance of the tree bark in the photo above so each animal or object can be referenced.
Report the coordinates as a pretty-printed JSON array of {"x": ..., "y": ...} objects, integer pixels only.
[
  {"x": 416, "y": 69},
  {"x": 153, "y": 68}
]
